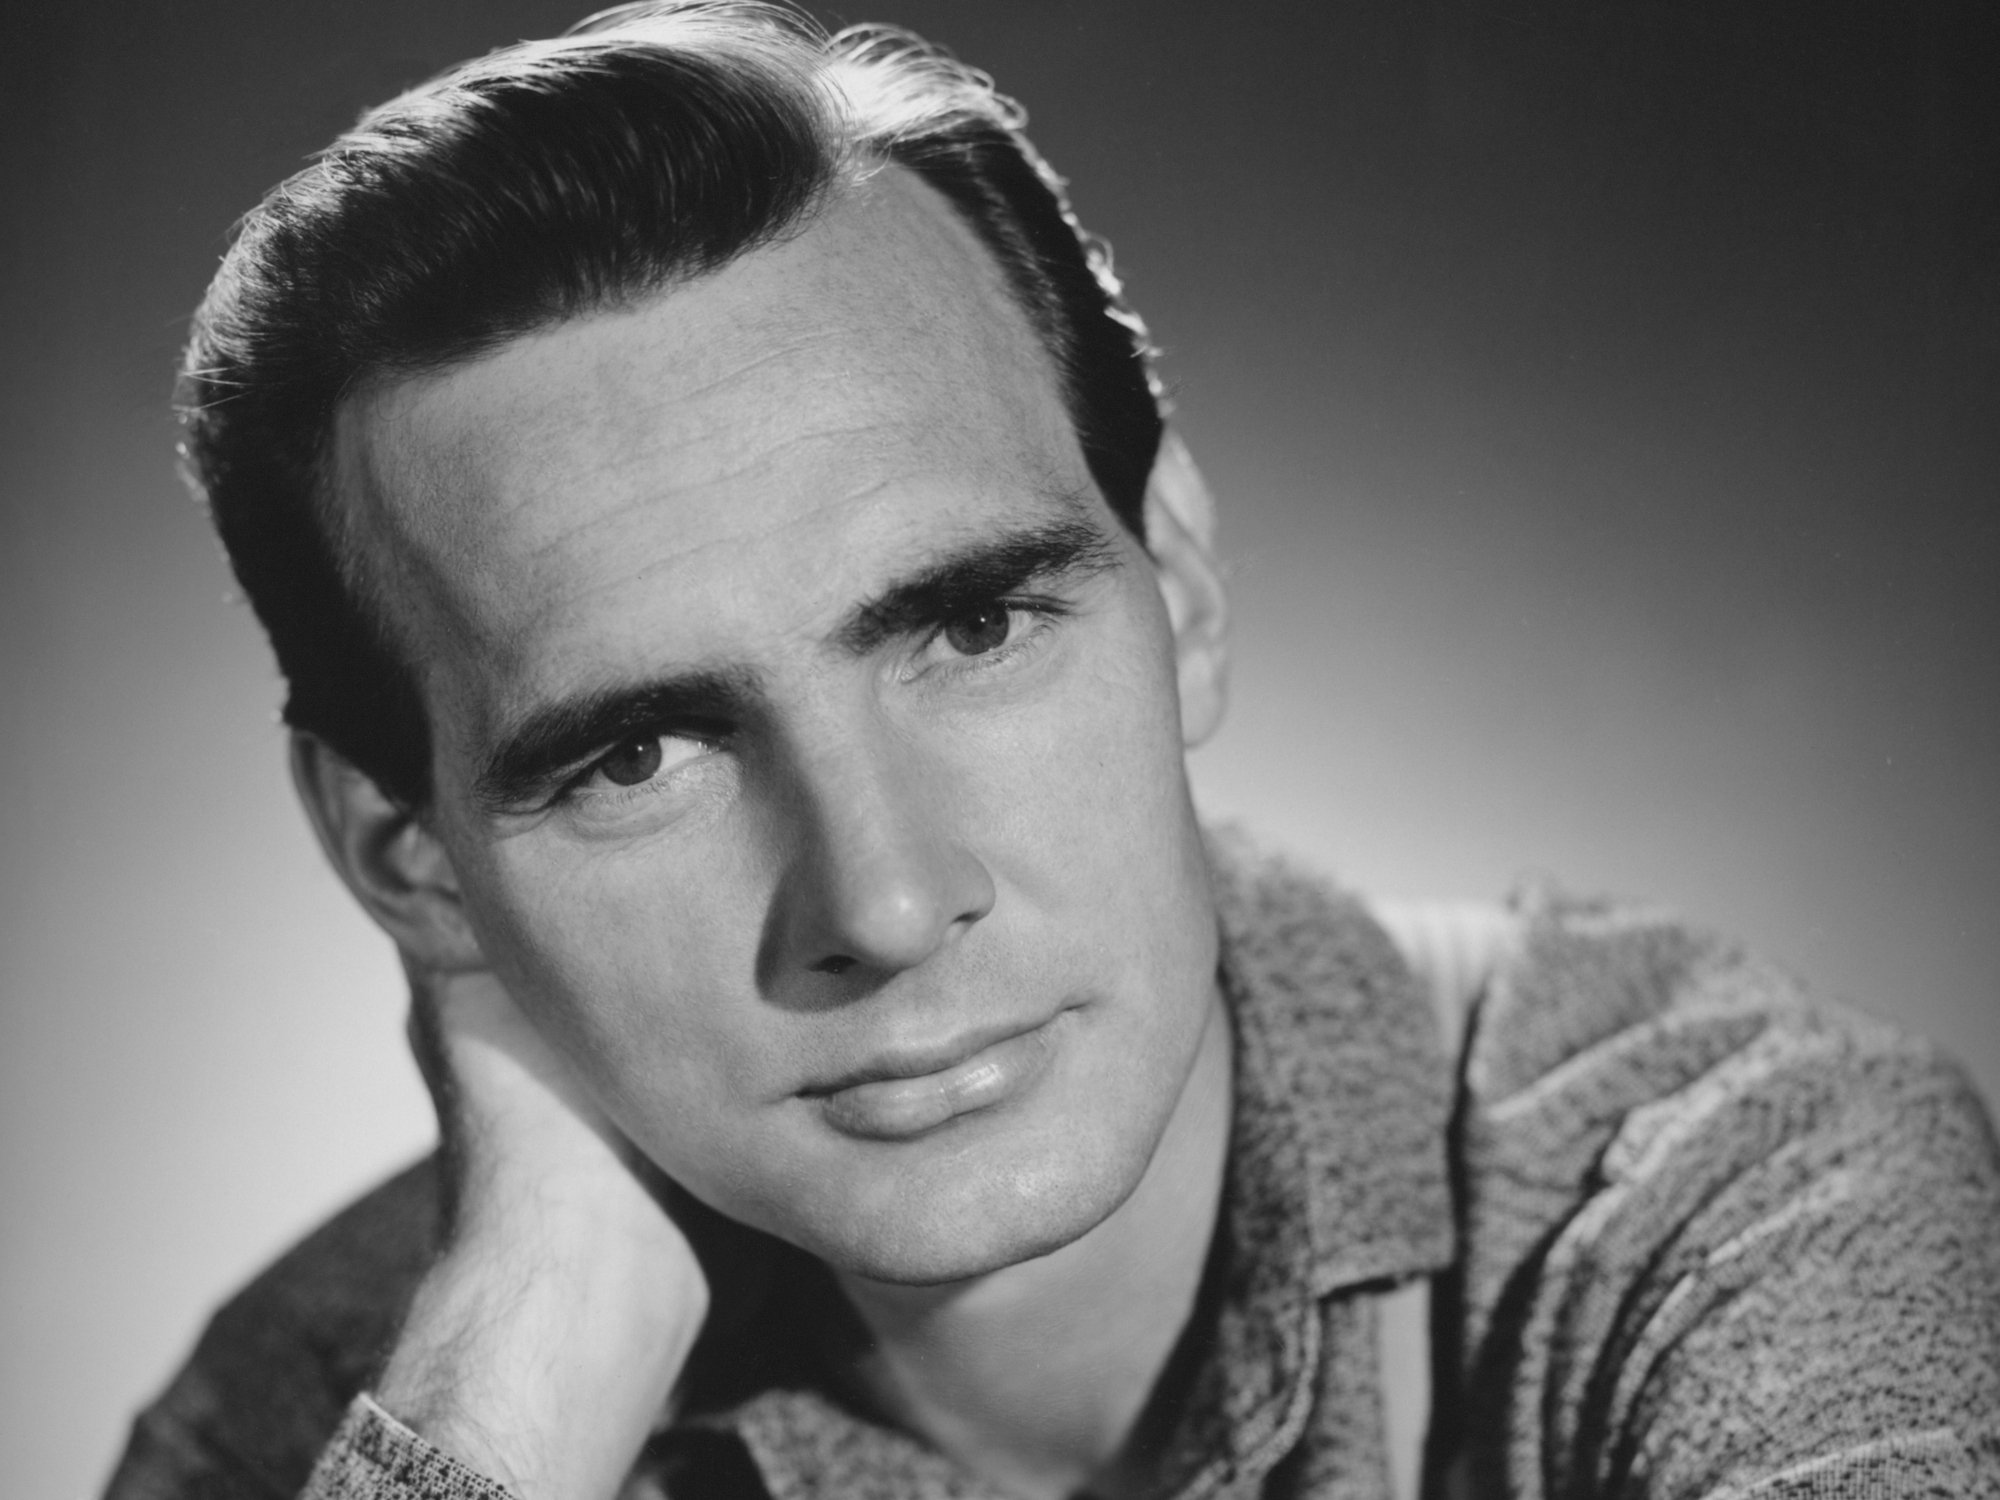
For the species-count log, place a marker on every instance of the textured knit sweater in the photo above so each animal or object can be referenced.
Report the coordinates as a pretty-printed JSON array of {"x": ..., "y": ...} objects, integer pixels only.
[{"x": 1687, "y": 1234}]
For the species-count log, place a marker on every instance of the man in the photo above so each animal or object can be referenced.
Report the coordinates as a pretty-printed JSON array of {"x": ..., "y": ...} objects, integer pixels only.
[{"x": 743, "y": 621}]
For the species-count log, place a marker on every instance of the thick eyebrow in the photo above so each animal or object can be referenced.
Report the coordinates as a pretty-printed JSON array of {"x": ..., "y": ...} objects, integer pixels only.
[
  {"x": 557, "y": 737},
  {"x": 977, "y": 573}
]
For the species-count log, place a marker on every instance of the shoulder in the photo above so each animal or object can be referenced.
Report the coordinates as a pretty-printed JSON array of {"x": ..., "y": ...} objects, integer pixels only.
[
  {"x": 1609, "y": 1038},
  {"x": 277, "y": 1365},
  {"x": 1714, "y": 1229}
]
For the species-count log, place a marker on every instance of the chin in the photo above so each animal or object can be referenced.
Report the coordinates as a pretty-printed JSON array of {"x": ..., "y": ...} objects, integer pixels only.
[{"x": 931, "y": 1227}]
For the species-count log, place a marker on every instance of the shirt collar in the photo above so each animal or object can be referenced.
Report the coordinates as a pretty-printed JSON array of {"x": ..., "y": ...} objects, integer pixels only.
[{"x": 1337, "y": 1049}]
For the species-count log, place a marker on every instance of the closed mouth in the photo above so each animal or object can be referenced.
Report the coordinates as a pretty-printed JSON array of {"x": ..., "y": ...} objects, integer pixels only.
[{"x": 905, "y": 1094}]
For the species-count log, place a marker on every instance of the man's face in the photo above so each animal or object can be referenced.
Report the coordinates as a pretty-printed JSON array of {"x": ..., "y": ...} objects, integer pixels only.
[{"x": 808, "y": 748}]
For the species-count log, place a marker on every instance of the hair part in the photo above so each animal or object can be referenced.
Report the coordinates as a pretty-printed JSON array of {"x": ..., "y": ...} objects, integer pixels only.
[{"x": 651, "y": 145}]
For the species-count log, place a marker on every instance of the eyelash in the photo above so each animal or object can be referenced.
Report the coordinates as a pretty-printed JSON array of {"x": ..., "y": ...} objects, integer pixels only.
[
  {"x": 609, "y": 795},
  {"x": 1042, "y": 613}
]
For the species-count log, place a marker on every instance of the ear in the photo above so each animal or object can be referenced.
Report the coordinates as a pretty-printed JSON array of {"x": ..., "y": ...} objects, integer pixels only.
[
  {"x": 1180, "y": 533},
  {"x": 388, "y": 858}
]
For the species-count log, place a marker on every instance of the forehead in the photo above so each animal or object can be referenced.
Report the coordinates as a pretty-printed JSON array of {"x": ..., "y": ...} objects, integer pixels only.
[{"x": 717, "y": 463}]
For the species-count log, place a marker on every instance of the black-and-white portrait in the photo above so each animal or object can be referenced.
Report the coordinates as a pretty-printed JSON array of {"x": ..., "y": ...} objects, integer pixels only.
[{"x": 1290, "y": 794}]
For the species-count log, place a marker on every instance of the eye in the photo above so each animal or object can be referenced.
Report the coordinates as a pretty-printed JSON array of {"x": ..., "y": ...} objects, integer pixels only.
[
  {"x": 644, "y": 757},
  {"x": 976, "y": 631},
  {"x": 637, "y": 760}
]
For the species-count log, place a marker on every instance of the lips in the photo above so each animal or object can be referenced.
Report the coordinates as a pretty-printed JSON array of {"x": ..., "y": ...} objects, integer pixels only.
[{"x": 898, "y": 1098}]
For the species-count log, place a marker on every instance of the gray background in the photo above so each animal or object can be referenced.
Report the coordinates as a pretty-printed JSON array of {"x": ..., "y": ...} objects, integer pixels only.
[{"x": 1602, "y": 400}]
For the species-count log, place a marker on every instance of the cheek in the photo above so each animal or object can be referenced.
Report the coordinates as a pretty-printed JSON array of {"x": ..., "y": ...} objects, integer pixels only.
[
  {"x": 637, "y": 975},
  {"x": 1109, "y": 779},
  {"x": 1098, "y": 829},
  {"x": 632, "y": 981}
]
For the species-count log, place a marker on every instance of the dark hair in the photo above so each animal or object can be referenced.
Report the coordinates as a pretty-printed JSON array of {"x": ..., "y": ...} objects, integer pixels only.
[{"x": 652, "y": 144}]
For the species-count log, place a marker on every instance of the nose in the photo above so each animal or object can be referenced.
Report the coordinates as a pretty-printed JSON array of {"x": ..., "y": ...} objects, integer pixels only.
[{"x": 878, "y": 876}]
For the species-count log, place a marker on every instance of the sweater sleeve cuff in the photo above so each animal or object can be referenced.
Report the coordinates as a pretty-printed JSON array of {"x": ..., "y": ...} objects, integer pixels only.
[{"x": 372, "y": 1456}]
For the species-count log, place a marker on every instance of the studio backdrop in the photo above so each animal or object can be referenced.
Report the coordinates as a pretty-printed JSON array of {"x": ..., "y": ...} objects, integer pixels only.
[{"x": 1602, "y": 403}]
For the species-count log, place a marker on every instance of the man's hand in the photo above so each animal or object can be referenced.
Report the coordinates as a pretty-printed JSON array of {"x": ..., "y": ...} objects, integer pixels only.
[{"x": 543, "y": 1345}]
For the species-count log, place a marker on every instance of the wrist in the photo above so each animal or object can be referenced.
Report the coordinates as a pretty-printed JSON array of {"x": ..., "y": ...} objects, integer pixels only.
[{"x": 540, "y": 1363}]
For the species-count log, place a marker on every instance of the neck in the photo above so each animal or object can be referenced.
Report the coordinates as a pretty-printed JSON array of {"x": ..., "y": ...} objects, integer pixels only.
[{"x": 1037, "y": 1377}]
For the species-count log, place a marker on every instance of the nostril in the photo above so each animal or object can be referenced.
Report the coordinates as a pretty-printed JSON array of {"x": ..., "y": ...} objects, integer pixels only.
[{"x": 833, "y": 963}]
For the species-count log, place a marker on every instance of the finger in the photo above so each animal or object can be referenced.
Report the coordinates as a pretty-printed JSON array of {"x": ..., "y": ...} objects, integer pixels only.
[
  {"x": 425, "y": 1035},
  {"x": 426, "y": 1041}
]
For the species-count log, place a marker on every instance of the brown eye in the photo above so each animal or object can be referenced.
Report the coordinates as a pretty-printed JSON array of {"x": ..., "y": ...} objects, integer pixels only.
[
  {"x": 978, "y": 631},
  {"x": 636, "y": 760}
]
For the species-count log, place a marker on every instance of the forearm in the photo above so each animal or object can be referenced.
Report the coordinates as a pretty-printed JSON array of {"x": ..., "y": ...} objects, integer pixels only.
[
  {"x": 541, "y": 1347},
  {"x": 544, "y": 1365}
]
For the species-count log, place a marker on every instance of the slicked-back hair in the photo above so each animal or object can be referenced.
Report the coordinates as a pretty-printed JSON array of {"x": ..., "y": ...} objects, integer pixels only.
[{"x": 651, "y": 145}]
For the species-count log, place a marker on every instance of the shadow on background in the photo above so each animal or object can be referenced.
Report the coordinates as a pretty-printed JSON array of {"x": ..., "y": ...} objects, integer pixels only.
[{"x": 1603, "y": 402}]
